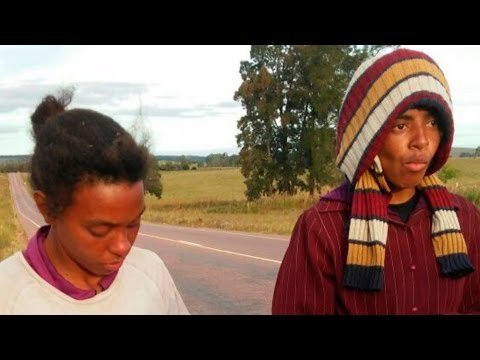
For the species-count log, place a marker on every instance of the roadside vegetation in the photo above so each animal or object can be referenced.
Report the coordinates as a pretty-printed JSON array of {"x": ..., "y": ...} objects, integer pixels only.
[
  {"x": 466, "y": 181},
  {"x": 12, "y": 237}
]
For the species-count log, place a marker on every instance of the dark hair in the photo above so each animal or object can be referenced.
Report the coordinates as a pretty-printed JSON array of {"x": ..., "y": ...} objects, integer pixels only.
[{"x": 80, "y": 146}]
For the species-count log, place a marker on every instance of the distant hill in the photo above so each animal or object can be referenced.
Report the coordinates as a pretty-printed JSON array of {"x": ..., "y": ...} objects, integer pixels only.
[
  {"x": 457, "y": 151},
  {"x": 173, "y": 158},
  {"x": 204, "y": 152},
  {"x": 12, "y": 158}
]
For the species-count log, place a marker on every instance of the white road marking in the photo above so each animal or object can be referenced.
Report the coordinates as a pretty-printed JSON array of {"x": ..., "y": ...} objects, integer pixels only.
[{"x": 211, "y": 248}]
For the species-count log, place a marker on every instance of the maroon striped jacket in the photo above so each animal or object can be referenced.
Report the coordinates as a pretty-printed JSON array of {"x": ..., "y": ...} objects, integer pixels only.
[{"x": 310, "y": 279}]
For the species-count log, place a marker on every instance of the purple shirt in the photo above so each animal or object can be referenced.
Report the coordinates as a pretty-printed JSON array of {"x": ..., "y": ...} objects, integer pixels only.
[
  {"x": 37, "y": 258},
  {"x": 310, "y": 278}
]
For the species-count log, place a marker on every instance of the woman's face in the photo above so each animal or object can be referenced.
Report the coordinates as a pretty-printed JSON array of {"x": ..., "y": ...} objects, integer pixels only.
[
  {"x": 408, "y": 151},
  {"x": 96, "y": 232}
]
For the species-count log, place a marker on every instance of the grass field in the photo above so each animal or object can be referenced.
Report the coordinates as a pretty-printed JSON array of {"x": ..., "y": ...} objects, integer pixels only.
[
  {"x": 469, "y": 172},
  {"x": 468, "y": 181},
  {"x": 215, "y": 199},
  {"x": 12, "y": 237}
]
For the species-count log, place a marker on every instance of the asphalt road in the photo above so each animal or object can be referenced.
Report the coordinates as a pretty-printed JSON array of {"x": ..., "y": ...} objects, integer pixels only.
[{"x": 216, "y": 272}]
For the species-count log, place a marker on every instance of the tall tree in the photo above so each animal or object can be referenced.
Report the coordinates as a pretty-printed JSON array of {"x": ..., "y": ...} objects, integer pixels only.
[
  {"x": 267, "y": 129},
  {"x": 142, "y": 134},
  {"x": 291, "y": 96}
]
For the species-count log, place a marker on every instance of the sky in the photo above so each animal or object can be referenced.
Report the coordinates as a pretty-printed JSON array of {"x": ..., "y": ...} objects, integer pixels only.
[{"x": 185, "y": 92}]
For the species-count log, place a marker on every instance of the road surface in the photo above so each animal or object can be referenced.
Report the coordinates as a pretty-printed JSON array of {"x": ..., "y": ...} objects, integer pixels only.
[{"x": 216, "y": 272}]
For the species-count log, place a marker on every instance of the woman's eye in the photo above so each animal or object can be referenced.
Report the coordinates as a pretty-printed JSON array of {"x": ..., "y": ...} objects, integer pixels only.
[
  {"x": 99, "y": 231},
  {"x": 131, "y": 226},
  {"x": 97, "y": 234}
]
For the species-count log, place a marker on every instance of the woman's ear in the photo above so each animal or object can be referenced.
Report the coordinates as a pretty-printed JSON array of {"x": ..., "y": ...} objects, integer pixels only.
[{"x": 41, "y": 201}]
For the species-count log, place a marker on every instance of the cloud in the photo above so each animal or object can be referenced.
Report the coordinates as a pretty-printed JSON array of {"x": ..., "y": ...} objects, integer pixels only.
[
  {"x": 28, "y": 95},
  {"x": 194, "y": 111},
  {"x": 25, "y": 58},
  {"x": 229, "y": 104},
  {"x": 88, "y": 94},
  {"x": 100, "y": 93},
  {"x": 22, "y": 96},
  {"x": 119, "y": 98},
  {"x": 7, "y": 129}
]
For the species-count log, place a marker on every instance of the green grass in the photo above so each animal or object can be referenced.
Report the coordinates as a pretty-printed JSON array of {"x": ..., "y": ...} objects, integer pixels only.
[
  {"x": 200, "y": 185},
  {"x": 215, "y": 198},
  {"x": 469, "y": 171},
  {"x": 12, "y": 237},
  {"x": 467, "y": 183},
  {"x": 276, "y": 215}
]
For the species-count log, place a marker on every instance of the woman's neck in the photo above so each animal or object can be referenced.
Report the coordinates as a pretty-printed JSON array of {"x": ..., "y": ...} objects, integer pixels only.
[
  {"x": 67, "y": 267},
  {"x": 402, "y": 196}
]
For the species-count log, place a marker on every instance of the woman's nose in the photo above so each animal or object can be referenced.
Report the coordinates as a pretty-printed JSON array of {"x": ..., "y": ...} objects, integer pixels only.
[
  {"x": 420, "y": 137},
  {"x": 120, "y": 244}
]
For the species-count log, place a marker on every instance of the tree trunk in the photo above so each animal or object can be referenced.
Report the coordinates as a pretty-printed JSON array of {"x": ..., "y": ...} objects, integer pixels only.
[{"x": 311, "y": 185}]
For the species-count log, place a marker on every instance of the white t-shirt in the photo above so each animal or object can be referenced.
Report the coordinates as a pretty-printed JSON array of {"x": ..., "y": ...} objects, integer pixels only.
[{"x": 143, "y": 285}]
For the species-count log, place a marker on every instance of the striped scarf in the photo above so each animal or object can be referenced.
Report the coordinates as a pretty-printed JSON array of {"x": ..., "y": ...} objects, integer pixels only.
[
  {"x": 380, "y": 91},
  {"x": 369, "y": 228}
]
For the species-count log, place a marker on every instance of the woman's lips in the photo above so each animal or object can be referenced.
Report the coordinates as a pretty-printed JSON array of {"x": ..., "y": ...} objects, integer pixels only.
[
  {"x": 416, "y": 166},
  {"x": 113, "y": 266}
]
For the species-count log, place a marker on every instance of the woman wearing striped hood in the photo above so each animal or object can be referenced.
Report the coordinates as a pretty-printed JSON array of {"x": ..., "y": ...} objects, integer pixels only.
[{"x": 391, "y": 239}]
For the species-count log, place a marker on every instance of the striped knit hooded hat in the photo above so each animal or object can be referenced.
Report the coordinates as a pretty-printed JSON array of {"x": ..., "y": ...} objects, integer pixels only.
[{"x": 381, "y": 90}]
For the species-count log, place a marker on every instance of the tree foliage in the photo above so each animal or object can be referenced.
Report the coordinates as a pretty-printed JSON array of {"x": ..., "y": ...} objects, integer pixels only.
[
  {"x": 477, "y": 152},
  {"x": 291, "y": 95},
  {"x": 15, "y": 166},
  {"x": 448, "y": 173},
  {"x": 142, "y": 134},
  {"x": 222, "y": 160}
]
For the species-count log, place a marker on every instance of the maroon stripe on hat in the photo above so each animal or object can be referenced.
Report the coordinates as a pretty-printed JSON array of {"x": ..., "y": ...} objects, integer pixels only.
[
  {"x": 358, "y": 90},
  {"x": 375, "y": 144}
]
